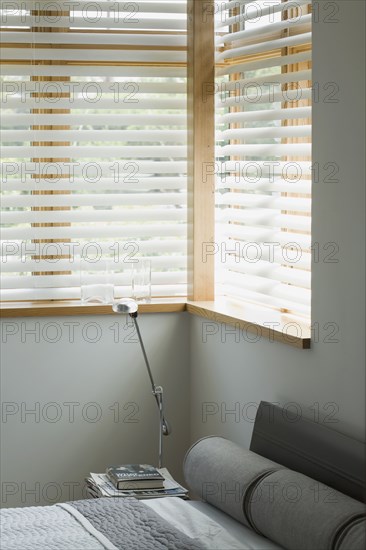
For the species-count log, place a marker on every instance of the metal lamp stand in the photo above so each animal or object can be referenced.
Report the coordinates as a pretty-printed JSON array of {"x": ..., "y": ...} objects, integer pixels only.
[{"x": 157, "y": 392}]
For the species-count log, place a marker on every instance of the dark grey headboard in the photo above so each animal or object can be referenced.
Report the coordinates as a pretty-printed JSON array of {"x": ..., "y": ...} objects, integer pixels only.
[{"x": 310, "y": 448}]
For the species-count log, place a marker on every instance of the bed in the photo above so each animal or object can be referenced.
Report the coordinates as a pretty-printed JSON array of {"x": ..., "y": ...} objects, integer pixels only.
[{"x": 300, "y": 486}]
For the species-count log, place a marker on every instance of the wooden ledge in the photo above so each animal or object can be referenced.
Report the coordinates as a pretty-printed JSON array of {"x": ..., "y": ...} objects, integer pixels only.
[
  {"x": 260, "y": 322},
  {"x": 70, "y": 308}
]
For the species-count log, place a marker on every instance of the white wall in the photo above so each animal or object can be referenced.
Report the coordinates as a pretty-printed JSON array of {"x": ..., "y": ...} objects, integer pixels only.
[
  {"x": 46, "y": 456},
  {"x": 234, "y": 373}
]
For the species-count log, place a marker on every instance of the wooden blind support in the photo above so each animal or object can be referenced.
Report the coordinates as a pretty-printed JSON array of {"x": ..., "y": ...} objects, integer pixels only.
[{"x": 201, "y": 149}]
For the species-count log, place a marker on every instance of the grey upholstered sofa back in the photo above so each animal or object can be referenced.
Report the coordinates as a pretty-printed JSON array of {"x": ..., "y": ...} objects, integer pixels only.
[{"x": 309, "y": 447}]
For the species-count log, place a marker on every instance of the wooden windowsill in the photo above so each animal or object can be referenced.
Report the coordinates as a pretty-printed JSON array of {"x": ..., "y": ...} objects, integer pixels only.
[
  {"x": 74, "y": 307},
  {"x": 253, "y": 322}
]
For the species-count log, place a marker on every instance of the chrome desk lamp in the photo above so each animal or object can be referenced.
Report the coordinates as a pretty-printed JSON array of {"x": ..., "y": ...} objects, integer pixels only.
[{"x": 130, "y": 307}]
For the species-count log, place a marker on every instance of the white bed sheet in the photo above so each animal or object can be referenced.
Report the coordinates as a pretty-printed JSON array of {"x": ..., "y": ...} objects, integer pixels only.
[{"x": 208, "y": 525}]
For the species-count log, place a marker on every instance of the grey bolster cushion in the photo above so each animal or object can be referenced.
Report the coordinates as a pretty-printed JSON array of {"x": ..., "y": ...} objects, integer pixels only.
[
  {"x": 293, "y": 510},
  {"x": 220, "y": 472},
  {"x": 354, "y": 536},
  {"x": 297, "y": 512}
]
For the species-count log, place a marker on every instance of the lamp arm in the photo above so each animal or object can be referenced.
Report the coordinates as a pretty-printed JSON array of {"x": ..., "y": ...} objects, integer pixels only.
[
  {"x": 131, "y": 307},
  {"x": 134, "y": 317},
  {"x": 157, "y": 391}
]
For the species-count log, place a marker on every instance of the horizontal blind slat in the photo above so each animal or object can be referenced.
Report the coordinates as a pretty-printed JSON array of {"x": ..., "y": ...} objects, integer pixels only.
[
  {"x": 9, "y": 69},
  {"x": 277, "y": 61},
  {"x": 79, "y": 232},
  {"x": 254, "y": 49},
  {"x": 115, "y": 9},
  {"x": 261, "y": 235},
  {"x": 117, "y": 168},
  {"x": 271, "y": 132},
  {"x": 263, "y": 216},
  {"x": 74, "y": 264},
  {"x": 266, "y": 115},
  {"x": 102, "y": 38},
  {"x": 40, "y": 54},
  {"x": 22, "y": 251},
  {"x": 266, "y": 80},
  {"x": 293, "y": 95},
  {"x": 116, "y": 88},
  {"x": 93, "y": 103},
  {"x": 84, "y": 199},
  {"x": 75, "y": 152},
  {"x": 288, "y": 149},
  {"x": 101, "y": 22},
  {"x": 119, "y": 120},
  {"x": 265, "y": 167},
  {"x": 262, "y": 201},
  {"x": 122, "y": 184},
  {"x": 95, "y": 216},
  {"x": 166, "y": 136},
  {"x": 264, "y": 185}
]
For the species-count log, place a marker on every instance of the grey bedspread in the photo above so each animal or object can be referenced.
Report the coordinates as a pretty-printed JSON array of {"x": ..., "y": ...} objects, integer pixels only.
[
  {"x": 130, "y": 525},
  {"x": 101, "y": 524}
]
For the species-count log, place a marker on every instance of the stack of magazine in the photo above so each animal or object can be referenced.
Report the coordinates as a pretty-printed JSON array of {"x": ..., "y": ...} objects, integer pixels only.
[{"x": 134, "y": 480}]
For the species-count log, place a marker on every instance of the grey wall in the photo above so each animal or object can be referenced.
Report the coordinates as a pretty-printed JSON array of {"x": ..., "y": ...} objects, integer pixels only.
[
  {"x": 228, "y": 372},
  {"x": 41, "y": 457}
]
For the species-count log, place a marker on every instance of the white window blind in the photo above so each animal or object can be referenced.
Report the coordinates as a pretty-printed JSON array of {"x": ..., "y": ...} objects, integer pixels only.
[
  {"x": 263, "y": 189},
  {"x": 94, "y": 145}
]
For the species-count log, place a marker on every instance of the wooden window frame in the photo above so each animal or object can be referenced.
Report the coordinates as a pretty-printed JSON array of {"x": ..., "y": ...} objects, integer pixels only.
[{"x": 201, "y": 223}]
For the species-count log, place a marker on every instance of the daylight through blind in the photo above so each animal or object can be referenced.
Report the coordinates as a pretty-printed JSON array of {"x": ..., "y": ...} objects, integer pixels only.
[
  {"x": 263, "y": 189},
  {"x": 94, "y": 142}
]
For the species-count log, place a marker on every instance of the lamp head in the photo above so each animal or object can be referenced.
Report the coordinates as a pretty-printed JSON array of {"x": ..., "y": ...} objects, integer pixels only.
[{"x": 126, "y": 306}]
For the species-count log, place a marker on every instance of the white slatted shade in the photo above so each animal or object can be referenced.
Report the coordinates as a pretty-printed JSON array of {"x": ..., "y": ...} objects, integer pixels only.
[
  {"x": 94, "y": 144},
  {"x": 263, "y": 180}
]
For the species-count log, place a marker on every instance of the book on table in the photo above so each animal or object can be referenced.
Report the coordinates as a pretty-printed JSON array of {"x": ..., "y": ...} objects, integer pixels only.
[
  {"x": 135, "y": 476},
  {"x": 99, "y": 485}
]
